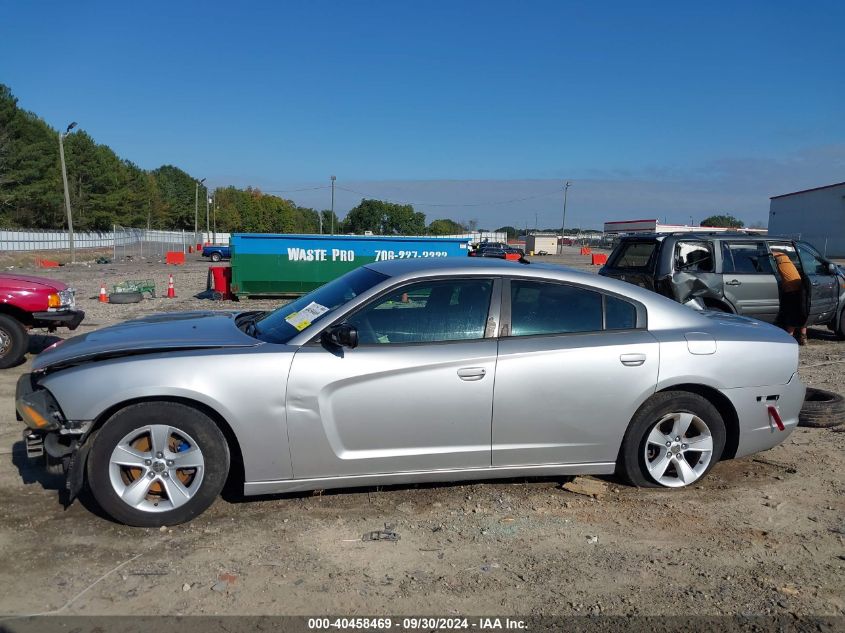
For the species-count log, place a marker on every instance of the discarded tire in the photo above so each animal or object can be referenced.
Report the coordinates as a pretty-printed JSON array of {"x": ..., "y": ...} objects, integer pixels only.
[
  {"x": 125, "y": 297},
  {"x": 822, "y": 409}
]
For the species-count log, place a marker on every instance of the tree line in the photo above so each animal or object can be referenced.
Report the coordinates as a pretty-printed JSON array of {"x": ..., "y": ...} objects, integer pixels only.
[{"x": 106, "y": 189}]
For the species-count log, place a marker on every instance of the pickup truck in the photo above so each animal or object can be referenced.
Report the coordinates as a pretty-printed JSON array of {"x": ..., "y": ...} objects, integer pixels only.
[
  {"x": 32, "y": 302},
  {"x": 216, "y": 252}
]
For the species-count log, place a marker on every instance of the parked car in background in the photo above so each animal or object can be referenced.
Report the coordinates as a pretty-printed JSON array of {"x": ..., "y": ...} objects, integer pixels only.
[
  {"x": 498, "y": 250},
  {"x": 477, "y": 250},
  {"x": 385, "y": 375},
  {"x": 216, "y": 252},
  {"x": 730, "y": 272},
  {"x": 32, "y": 302}
]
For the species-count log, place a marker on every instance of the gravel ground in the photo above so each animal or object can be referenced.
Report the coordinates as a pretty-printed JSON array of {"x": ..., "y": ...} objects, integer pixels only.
[{"x": 760, "y": 535}]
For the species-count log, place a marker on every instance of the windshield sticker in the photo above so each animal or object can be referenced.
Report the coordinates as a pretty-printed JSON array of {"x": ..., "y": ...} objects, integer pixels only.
[{"x": 305, "y": 317}]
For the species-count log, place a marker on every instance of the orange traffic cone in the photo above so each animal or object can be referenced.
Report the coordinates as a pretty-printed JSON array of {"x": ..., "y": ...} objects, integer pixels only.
[
  {"x": 171, "y": 291},
  {"x": 104, "y": 297}
]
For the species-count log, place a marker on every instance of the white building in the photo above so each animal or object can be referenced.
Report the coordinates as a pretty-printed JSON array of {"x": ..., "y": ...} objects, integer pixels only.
[
  {"x": 541, "y": 242},
  {"x": 814, "y": 215}
]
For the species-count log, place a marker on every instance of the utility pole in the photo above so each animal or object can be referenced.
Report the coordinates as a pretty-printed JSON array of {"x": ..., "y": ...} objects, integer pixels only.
[
  {"x": 214, "y": 218},
  {"x": 333, "y": 179},
  {"x": 207, "y": 216},
  {"x": 196, "y": 205},
  {"x": 67, "y": 191},
  {"x": 563, "y": 225}
]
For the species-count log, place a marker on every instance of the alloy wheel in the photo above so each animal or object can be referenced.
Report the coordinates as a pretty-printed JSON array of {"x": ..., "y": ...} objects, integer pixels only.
[
  {"x": 156, "y": 468},
  {"x": 5, "y": 342},
  {"x": 678, "y": 449}
]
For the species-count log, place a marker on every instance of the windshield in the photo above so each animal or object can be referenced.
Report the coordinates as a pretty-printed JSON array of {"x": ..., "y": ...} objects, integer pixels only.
[{"x": 281, "y": 325}]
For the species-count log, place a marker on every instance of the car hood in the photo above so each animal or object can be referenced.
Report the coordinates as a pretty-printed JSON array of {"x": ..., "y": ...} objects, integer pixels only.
[
  {"x": 154, "y": 333},
  {"x": 28, "y": 282}
]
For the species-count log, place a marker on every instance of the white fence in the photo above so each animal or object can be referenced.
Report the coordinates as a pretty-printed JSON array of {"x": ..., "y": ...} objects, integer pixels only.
[
  {"x": 120, "y": 237},
  {"x": 132, "y": 243},
  {"x": 33, "y": 240}
]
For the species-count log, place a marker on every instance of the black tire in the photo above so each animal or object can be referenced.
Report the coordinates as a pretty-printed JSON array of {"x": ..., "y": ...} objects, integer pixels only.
[
  {"x": 631, "y": 465},
  {"x": 840, "y": 331},
  {"x": 181, "y": 418},
  {"x": 126, "y": 297},
  {"x": 13, "y": 341},
  {"x": 822, "y": 409},
  {"x": 216, "y": 257}
]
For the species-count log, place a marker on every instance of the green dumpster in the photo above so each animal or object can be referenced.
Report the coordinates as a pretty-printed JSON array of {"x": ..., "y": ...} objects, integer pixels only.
[{"x": 278, "y": 264}]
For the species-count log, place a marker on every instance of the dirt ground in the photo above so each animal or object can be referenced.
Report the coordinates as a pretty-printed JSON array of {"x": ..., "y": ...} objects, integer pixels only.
[{"x": 760, "y": 535}]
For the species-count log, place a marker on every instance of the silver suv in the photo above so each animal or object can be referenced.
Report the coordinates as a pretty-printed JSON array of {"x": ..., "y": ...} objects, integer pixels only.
[{"x": 731, "y": 272}]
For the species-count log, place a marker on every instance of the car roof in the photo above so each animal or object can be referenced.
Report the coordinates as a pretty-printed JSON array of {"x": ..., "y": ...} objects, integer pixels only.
[
  {"x": 663, "y": 312},
  {"x": 702, "y": 234}
]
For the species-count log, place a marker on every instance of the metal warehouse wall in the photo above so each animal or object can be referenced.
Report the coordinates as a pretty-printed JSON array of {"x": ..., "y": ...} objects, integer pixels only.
[{"x": 817, "y": 217}]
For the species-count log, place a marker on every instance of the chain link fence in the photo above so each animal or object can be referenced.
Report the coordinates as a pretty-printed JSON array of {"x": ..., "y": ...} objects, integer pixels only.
[
  {"x": 123, "y": 242},
  {"x": 130, "y": 243}
]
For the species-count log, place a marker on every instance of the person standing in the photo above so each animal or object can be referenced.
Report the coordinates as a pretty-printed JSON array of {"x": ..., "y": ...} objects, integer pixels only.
[{"x": 793, "y": 301}]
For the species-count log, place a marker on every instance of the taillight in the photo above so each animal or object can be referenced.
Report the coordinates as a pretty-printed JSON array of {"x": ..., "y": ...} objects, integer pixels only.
[{"x": 53, "y": 301}]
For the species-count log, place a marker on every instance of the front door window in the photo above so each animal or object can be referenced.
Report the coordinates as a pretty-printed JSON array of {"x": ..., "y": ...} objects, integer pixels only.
[{"x": 426, "y": 312}]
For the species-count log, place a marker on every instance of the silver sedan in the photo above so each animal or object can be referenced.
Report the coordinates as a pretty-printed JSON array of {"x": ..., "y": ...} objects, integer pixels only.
[{"x": 408, "y": 371}]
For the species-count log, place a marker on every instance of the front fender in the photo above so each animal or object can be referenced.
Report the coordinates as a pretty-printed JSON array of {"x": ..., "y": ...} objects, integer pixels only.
[{"x": 245, "y": 387}]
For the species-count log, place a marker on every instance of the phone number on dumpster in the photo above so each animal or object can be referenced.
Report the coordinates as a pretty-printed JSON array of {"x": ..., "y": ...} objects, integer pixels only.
[{"x": 383, "y": 255}]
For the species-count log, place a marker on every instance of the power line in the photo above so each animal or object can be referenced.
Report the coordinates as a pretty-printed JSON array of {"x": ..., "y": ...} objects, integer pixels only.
[
  {"x": 293, "y": 190},
  {"x": 456, "y": 204},
  {"x": 418, "y": 203}
]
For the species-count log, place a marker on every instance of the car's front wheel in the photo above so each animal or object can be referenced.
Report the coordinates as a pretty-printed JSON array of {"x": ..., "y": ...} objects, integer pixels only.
[
  {"x": 157, "y": 463},
  {"x": 13, "y": 341},
  {"x": 673, "y": 441}
]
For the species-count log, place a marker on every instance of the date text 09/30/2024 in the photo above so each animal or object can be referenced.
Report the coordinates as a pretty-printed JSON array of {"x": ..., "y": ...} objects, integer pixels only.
[{"x": 417, "y": 623}]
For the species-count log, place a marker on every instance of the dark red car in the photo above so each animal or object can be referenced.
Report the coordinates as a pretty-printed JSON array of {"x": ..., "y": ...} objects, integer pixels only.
[{"x": 32, "y": 302}]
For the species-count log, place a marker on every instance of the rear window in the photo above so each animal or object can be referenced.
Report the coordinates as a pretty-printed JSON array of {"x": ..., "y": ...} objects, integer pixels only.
[{"x": 634, "y": 254}]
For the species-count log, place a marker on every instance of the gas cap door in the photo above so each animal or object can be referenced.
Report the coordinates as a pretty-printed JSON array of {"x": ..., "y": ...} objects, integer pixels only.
[{"x": 700, "y": 343}]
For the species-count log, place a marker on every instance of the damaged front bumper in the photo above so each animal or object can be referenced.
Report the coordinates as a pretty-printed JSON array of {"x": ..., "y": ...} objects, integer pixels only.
[{"x": 49, "y": 435}]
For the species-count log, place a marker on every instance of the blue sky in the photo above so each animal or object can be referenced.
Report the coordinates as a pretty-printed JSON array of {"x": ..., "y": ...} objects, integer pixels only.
[{"x": 652, "y": 109}]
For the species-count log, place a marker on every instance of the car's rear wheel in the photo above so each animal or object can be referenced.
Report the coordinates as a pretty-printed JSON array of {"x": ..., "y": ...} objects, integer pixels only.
[
  {"x": 13, "y": 341},
  {"x": 157, "y": 463},
  {"x": 673, "y": 441},
  {"x": 216, "y": 257}
]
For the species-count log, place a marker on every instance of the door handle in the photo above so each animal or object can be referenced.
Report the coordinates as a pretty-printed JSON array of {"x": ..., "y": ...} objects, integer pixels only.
[
  {"x": 733, "y": 282},
  {"x": 471, "y": 373},
  {"x": 632, "y": 360}
]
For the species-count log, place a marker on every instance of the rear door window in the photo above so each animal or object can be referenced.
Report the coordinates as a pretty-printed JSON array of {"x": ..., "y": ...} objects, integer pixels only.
[
  {"x": 746, "y": 258},
  {"x": 632, "y": 254},
  {"x": 539, "y": 308},
  {"x": 694, "y": 256},
  {"x": 619, "y": 314}
]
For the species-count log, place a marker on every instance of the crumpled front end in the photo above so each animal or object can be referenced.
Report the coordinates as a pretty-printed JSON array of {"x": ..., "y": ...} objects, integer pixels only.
[{"x": 49, "y": 436}]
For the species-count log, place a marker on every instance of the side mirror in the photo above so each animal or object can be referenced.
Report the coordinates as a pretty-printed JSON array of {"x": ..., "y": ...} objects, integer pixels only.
[{"x": 343, "y": 335}]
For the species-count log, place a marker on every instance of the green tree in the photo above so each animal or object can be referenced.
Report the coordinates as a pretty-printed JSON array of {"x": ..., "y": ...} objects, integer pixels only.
[
  {"x": 724, "y": 220},
  {"x": 445, "y": 226},
  {"x": 30, "y": 180},
  {"x": 512, "y": 232},
  {"x": 385, "y": 218}
]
